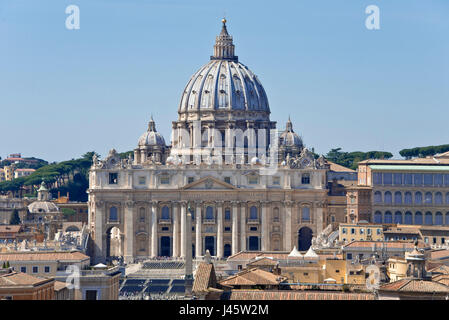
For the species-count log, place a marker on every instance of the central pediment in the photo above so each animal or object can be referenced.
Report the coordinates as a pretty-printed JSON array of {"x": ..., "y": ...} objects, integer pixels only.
[{"x": 209, "y": 183}]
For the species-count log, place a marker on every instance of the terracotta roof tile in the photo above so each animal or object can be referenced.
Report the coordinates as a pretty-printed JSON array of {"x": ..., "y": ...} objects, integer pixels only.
[
  {"x": 296, "y": 295},
  {"x": 20, "y": 279},
  {"x": 43, "y": 256},
  {"x": 415, "y": 285},
  {"x": 204, "y": 277},
  {"x": 253, "y": 276}
]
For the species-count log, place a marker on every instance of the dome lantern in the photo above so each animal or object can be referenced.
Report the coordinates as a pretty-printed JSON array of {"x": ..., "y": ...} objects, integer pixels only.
[{"x": 224, "y": 47}]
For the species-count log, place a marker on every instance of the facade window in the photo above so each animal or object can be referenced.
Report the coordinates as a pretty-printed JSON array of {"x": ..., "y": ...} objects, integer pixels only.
[
  {"x": 343, "y": 230},
  {"x": 388, "y": 197},
  {"x": 447, "y": 198},
  {"x": 428, "y": 219},
  {"x": 253, "y": 213},
  {"x": 446, "y": 180},
  {"x": 428, "y": 199},
  {"x": 113, "y": 178},
  {"x": 428, "y": 179},
  {"x": 142, "y": 180},
  {"x": 377, "y": 178},
  {"x": 349, "y": 256},
  {"x": 227, "y": 180},
  {"x": 227, "y": 229},
  {"x": 142, "y": 214},
  {"x": 439, "y": 218},
  {"x": 398, "y": 217},
  {"x": 305, "y": 178},
  {"x": 23, "y": 269},
  {"x": 418, "y": 180},
  {"x": 209, "y": 213},
  {"x": 165, "y": 179},
  {"x": 47, "y": 269},
  {"x": 276, "y": 181},
  {"x": 352, "y": 230},
  {"x": 438, "y": 179},
  {"x": 418, "y": 198},
  {"x": 362, "y": 231},
  {"x": 378, "y": 217},
  {"x": 276, "y": 214},
  {"x": 379, "y": 232},
  {"x": 113, "y": 214},
  {"x": 408, "y": 218},
  {"x": 418, "y": 218},
  {"x": 305, "y": 214},
  {"x": 446, "y": 219},
  {"x": 35, "y": 269},
  {"x": 388, "y": 179},
  {"x": 190, "y": 180},
  {"x": 398, "y": 197},
  {"x": 438, "y": 198},
  {"x": 397, "y": 177},
  {"x": 388, "y": 217},
  {"x": 408, "y": 179},
  {"x": 165, "y": 214},
  {"x": 253, "y": 179},
  {"x": 227, "y": 214},
  {"x": 408, "y": 198},
  {"x": 253, "y": 228},
  {"x": 377, "y": 197}
]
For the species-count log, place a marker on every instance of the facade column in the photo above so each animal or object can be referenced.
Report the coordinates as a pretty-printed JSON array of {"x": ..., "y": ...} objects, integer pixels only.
[
  {"x": 175, "y": 229},
  {"x": 264, "y": 234},
  {"x": 199, "y": 238},
  {"x": 319, "y": 217},
  {"x": 235, "y": 233},
  {"x": 183, "y": 229},
  {"x": 129, "y": 232},
  {"x": 100, "y": 255},
  {"x": 243, "y": 226},
  {"x": 288, "y": 226},
  {"x": 154, "y": 225},
  {"x": 220, "y": 229}
]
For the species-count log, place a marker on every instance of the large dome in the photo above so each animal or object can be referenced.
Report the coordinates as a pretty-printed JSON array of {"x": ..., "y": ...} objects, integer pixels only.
[{"x": 224, "y": 86}]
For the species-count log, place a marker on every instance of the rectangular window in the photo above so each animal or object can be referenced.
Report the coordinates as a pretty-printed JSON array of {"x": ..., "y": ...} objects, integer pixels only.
[
  {"x": 434, "y": 240},
  {"x": 377, "y": 178},
  {"x": 165, "y": 229},
  {"x": 227, "y": 180},
  {"x": 418, "y": 179},
  {"x": 362, "y": 231},
  {"x": 227, "y": 229},
  {"x": 165, "y": 180},
  {"x": 190, "y": 180},
  {"x": 368, "y": 231},
  {"x": 408, "y": 179},
  {"x": 276, "y": 181},
  {"x": 349, "y": 256},
  {"x": 397, "y": 178},
  {"x": 23, "y": 269},
  {"x": 142, "y": 180},
  {"x": 344, "y": 230},
  {"x": 35, "y": 269},
  {"x": 113, "y": 178},
  {"x": 47, "y": 269},
  {"x": 388, "y": 178},
  {"x": 379, "y": 231},
  {"x": 253, "y": 229},
  {"x": 253, "y": 179},
  {"x": 446, "y": 180},
  {"x": 305, "y": 178},
  {"x": 438, "y": 179},
  {"x": 428, "y": 179}
]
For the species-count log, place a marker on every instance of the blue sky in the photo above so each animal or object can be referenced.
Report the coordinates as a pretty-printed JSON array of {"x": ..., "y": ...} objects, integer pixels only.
[{"x": 64, "y": 92}]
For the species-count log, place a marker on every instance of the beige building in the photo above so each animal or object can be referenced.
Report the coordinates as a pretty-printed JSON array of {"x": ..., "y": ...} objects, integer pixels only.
[
  {"x": 240, "y": 199},
  {"x": 360, "y": 232},
  {"x": 412, "y": 191}
]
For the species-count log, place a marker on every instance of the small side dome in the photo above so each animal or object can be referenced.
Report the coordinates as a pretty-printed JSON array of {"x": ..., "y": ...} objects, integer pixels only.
[
  {"x": 151, "y": 137},
  {"x": 289, "y": 138}
]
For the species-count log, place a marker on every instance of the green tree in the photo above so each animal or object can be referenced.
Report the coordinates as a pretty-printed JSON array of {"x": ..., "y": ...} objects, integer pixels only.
[{"x": 15, "y": 219}]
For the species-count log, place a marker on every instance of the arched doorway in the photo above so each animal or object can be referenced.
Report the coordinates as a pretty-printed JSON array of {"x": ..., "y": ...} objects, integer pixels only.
[
  {"x": 209, "y": 244},
  {"x": 227, "y": 250},
  {"x": 253, "y": 243},
  {"x": 165, "y": 246},
  {"x": 305, "y": 235}
]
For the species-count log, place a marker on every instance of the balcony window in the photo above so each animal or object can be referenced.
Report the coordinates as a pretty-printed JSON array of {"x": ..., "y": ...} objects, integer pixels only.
[
  {"x": 388, "y": 180},
  {"x": 113, "y": 214},
  {"x": 305, "y": 211},
  {"x": 428, "y": 179},
  {"x": 253, "y": 215},
  {"x": 397, "y": 178},
  {"x": 142, "y": 180},
  {"x": 305, "y": 178},
  {"x": 113, "y": 178},
  {"x": 418, "y": 179},
  {"x": 408, "y": 179},
  {"x": 209, "y": 213}
]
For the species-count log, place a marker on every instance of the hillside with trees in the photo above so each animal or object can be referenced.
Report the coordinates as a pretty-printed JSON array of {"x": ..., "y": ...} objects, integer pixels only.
[
  {"x": 351, "y": 159},
  {"x": 422, "y": 152}
]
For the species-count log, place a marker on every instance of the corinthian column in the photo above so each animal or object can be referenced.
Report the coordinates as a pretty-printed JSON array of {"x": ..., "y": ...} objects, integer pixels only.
[
  {"x": 288, "y": 226},
  {"x": 220, "y": 229},
  {"x": 129, "y": 231},
  {"x": 175, "y": 229},
  {"x": 235, "y": 233},
  {"x": 198, "y": 239},
  {"x": 264, "y": 233},
  {"x": 183, "y": 229},
  {"x": 99, "y": 237},
  {"x": 154, "y": 225},
  {"x": 242, "y": 226}
]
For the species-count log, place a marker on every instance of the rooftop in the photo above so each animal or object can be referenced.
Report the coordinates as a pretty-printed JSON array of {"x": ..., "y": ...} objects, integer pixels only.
[
  {"x": 253, "y": 277},
  {"x": 296, "y": 295},
  {"x": 19, "y": 279},
  {"x": 44, "y": 256},
  {"x": 415, "y": 285}
]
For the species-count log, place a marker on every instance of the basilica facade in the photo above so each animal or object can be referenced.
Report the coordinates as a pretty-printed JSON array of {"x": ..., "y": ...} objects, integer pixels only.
[{"x": 246, "y": 185}]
